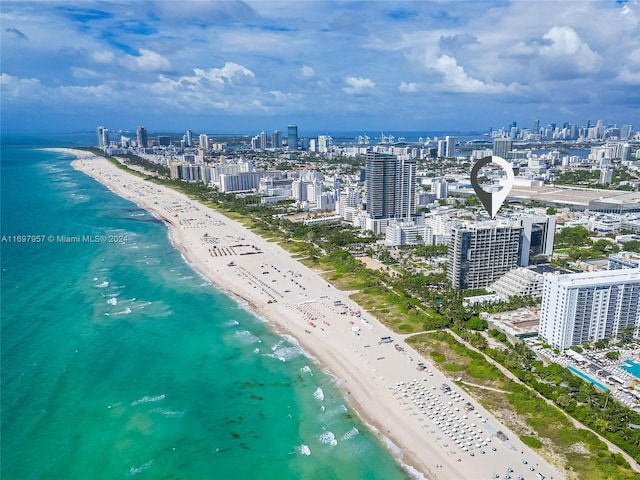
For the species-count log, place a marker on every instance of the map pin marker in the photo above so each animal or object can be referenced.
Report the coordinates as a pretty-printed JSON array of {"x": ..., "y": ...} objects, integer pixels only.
[{"x": 492, "y": 201}]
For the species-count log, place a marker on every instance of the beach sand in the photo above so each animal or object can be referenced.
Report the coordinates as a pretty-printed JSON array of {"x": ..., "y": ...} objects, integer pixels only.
[{"x": 423, "y": 426}]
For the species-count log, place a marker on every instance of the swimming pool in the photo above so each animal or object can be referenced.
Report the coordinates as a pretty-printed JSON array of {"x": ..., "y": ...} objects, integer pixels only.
[
  {"x": 632, "y": 367},
  {"x": 577, "y": 372}
]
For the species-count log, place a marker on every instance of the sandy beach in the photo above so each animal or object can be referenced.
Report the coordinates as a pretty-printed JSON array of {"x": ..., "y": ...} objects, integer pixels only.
[{"x": 426, "y": 427}]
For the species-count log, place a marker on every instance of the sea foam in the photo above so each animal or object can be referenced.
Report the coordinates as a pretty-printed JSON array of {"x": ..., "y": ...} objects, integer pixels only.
[
  {"x": 318, "y": 394},
  {"x": 147, "y": 399},
  {"x": 328, "y": 438}
]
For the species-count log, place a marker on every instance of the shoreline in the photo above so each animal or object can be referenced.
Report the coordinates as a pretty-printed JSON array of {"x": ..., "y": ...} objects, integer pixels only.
[{"x": 335, "y": 332}]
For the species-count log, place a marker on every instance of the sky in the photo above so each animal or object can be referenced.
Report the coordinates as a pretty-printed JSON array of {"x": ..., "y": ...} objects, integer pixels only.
[{"x": 243, "y": 67}]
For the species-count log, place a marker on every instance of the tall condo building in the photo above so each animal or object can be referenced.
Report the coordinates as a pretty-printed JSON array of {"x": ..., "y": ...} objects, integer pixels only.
[
  {"x": 141, "y": 137},
  {"x": 103, "y": 136},
  {"x": 450, "y": 147},
  {"x": 203, "y": 139},
  {"x": 276, "y": 139},
  {"x": 538, "y": 235},
  {"x": 586, "y": 307},
  {"x": 481, "y": 253},
  {"x": 263, "y": 140},
  {"x": 188, "y": 138},
  {"x": 391, "y": 186},
  {"x": 502, "y": 147},
  {"x": 292, "y": 137}
]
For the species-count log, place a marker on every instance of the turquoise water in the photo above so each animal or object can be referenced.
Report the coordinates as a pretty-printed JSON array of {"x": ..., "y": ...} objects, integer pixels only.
[
  {"x": 119, "y": 361},
  {"x": 632, "y": 367},
  {"x": 587, "y": 378}
]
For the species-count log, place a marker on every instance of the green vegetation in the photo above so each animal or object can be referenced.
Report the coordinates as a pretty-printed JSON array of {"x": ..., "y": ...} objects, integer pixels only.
[
  {"x": 632, "y": 246},
  {"x": 530, "y": 441},
  {"x": 540, "y": 424},
  {"x": 572, "y": 237}
]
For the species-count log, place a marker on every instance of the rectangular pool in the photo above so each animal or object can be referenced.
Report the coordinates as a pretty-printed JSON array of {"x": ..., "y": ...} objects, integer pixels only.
[
  {"x": 577, "y": 372},
  {"x": 632, "y": 367}
]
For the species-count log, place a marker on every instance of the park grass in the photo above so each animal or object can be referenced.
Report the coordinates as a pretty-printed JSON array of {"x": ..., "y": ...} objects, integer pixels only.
[{"x": 579, "y": 452}]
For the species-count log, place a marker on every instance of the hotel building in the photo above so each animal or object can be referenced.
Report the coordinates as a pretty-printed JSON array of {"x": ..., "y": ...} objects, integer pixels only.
[{"x": 586, "y": 307}]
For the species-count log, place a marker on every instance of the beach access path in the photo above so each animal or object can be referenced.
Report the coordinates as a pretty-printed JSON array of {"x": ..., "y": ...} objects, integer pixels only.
[{"x": 426, "y": 427}]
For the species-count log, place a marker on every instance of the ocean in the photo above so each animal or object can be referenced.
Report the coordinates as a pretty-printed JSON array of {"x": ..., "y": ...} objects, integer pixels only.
[{"x": 120, "y": 361}]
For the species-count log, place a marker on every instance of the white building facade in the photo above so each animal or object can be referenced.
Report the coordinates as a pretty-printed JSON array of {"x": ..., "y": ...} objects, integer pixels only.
[{"x": 586, "y": 307}]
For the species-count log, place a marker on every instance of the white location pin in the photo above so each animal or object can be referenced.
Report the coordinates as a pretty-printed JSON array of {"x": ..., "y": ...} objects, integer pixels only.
[{"x": 492, "y": 201}]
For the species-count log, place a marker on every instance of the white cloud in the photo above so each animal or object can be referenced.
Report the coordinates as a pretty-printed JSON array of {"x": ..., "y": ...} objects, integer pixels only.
[
  {"x": 307, "y": 71},
  {"x": 357, "y": 85},
  {"x": 567, "y": 45},
  {"x": 147, "y": 61},
  {"x": 103, "y": 56},
  {"x": 405, "y": 87},
  {"x": 457, "y": 80},
  {"x": 15, "y": 87}
]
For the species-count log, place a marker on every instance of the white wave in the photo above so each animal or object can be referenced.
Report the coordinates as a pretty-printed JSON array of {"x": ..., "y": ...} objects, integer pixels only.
[
  {"x": 306, "y": 369},
  {"x": 318, "y": 394},
  {"x": 231, "y": 323},
  {"x": 148, "y": 399},
  {"x": 126, "y": 311},
  {"x": 351, "y": 433},
  {"x": 168, "y": 413},
  {"x": 304, "y": 449},
  {"x": 285, "y": 353},
  {"x": 277, "y": 345},
  {"x": 102, "y": 285},
  {"x": 247, "y": 336},
  {"x": 136, "y": 470},
  {"x": 328, "y": 438},
  {"x": 112, "y": 301}
]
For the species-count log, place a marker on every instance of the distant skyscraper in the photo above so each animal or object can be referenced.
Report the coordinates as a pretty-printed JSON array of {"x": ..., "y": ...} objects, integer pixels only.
[
  {"x": 391, "y": 186},
  {"x": 502, "y": 147},
  {"x": 276, "y": 139},
  {"x": 141, "y": 137},
  {"x": 324, "y": 143},
  {"x": 103, "y": 136},
  {"x": 450, "y": 147},
  {"x": 536, "y": 126},
  {"x": 188, "y": 139},
  {"x": 263, "y": 140},
  {"x": 587, "y": 307},
  {"x": 164, "y": 140},
  {"x": 203, "y": 139},
  {"x": 292, "y": 137}
]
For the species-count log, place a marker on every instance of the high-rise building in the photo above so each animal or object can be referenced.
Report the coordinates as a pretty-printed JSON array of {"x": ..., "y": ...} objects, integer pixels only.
[
  {"x": 292, "y": 137},
  {"x": 263, "y": 140},
  {"x": 538, "y": 235},
  {"x": 502, "y": 147},
  {"x": 164, "y": 140},
  {"x": 450, "y": 147},
  {"x": 587, "y": 307},
  {"x": 103, "y": 136},
  {"x": 390, "y": 186},
  {"x": 324, "y": 143},
  {"x": 276, "y": 139},
  {"x": 481, "y": 253},
  {"x": 188, "y": 139},
  {"x": 203, "y": 139},
  {"x": 141, "y": 137}
]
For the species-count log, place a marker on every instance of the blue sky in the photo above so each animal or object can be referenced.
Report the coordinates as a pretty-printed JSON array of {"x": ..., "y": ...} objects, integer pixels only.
[{"x": 220, "y": 67}]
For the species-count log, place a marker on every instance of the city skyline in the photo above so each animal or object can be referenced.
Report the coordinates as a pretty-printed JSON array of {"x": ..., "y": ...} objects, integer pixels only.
[{"x": 252, "y": 66}]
